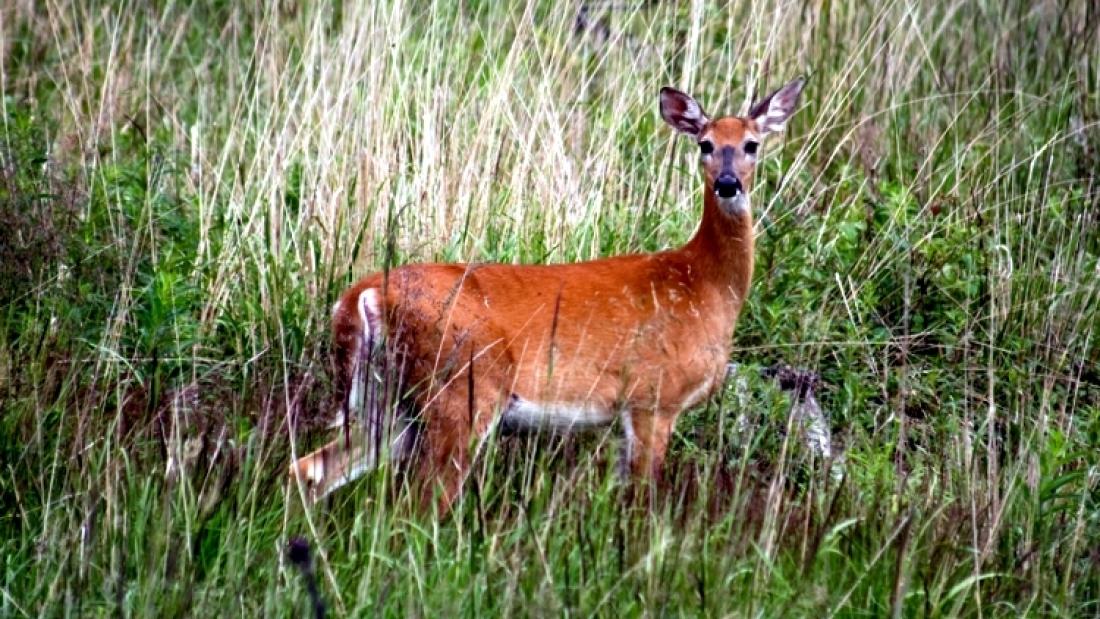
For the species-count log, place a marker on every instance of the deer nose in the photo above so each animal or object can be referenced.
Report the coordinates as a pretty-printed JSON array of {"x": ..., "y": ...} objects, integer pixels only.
[{"x": 727, "y": 186}]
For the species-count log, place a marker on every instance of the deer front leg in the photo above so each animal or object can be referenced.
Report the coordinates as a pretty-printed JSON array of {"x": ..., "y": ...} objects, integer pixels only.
[
  {"x": 450, "y": 423},
  {"x": 647, "y": 434},
  {"x": 443, "y": 465}
]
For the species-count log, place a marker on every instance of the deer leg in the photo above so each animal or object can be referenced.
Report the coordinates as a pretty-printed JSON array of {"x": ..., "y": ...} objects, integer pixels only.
[
  {"x": 452, "y": 420},
  {"x": 443, "y": 465},
  {"x": 647, "y": 434}
]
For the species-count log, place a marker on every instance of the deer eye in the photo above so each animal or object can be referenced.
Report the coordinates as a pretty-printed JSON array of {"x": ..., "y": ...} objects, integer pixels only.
[
  {"x": 750, "y": 147},
  {"x": 706, "y": 147}
]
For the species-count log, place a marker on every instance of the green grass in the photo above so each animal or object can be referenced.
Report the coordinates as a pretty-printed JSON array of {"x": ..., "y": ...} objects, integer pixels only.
[{"x": 184, "y": 191}]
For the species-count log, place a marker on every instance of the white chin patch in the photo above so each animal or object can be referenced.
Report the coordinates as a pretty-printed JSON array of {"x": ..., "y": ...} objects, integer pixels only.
[{"x": 734, "y": 206}]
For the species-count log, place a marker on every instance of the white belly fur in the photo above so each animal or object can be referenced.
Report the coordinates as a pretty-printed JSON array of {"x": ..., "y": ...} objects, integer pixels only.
[
  {"x": 698, "y": 394},
  {"x": 524, "y": 414}
]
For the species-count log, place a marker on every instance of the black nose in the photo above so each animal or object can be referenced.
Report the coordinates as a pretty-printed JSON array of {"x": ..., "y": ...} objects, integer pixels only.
[{"x": 727, "y": 186}]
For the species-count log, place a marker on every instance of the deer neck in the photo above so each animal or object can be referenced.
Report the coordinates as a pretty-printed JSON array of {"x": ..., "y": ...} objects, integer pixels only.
[{"x": 722, "y": 248}]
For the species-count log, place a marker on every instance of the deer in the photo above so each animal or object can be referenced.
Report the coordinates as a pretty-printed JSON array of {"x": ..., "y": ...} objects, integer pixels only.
[{"x": 639, "y": 338}]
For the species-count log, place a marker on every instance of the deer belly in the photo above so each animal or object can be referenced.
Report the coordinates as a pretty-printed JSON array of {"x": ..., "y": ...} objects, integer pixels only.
[{"x": 526, "y": 415}]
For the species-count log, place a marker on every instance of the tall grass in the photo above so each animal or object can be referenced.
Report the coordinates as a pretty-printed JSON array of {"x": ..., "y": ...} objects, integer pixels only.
[{"x": 187, "y": 188}]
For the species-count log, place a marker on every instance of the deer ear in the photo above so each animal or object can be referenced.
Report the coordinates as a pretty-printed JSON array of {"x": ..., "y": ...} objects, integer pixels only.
[
  {"x": 771, "y": 112},
  {"x": 682, "y": 112}
]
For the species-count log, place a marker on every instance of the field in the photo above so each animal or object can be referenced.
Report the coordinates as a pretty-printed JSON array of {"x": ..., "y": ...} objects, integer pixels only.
[{"x": 185, "y": 191}]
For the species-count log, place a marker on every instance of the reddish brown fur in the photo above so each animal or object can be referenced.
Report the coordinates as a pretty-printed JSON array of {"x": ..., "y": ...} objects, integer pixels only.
[{"x": 647, "y": 334}]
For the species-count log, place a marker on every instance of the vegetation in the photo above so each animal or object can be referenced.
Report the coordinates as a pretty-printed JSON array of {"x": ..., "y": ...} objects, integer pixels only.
[{"x": 185, "y": 189}]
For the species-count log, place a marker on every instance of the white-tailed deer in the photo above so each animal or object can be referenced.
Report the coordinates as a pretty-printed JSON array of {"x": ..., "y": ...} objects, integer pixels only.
[{"x": 638, "y": 337}]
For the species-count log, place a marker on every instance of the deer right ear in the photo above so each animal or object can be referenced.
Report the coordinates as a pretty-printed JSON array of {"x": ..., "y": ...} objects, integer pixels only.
[{"x": 682, "y": 112}]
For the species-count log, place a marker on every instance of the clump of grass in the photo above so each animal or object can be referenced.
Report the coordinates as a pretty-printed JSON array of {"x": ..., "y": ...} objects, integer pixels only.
[{"x": 927, "y": 243}]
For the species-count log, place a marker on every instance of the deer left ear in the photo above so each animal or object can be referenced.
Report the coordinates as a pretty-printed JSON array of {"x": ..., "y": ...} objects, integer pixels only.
[{"x": 771, "y": 112}]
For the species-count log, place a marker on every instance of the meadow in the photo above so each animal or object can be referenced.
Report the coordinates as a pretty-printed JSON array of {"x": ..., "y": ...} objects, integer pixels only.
[{"x": 185, "y": 189}]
